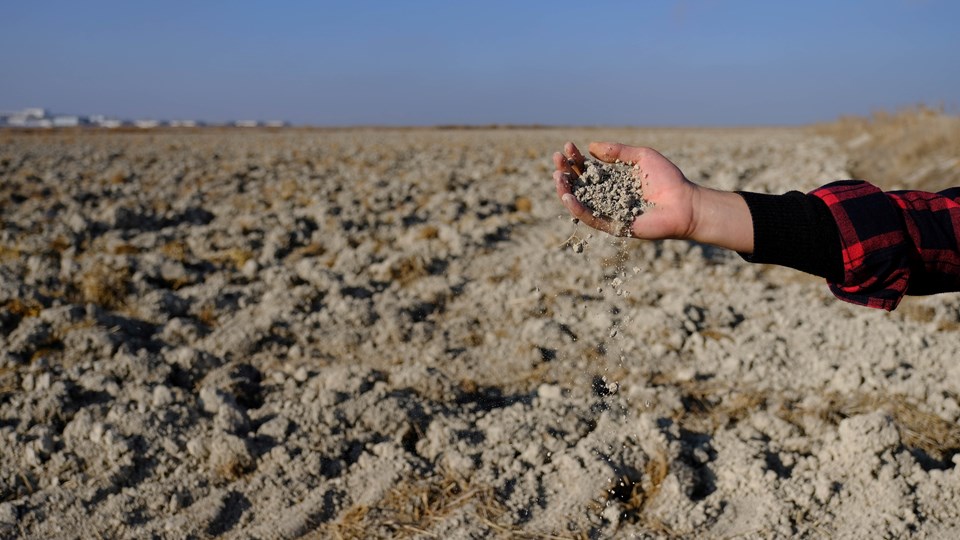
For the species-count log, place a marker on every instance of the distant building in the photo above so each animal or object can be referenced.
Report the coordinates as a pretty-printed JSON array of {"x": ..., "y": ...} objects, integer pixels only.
[
  {"x": 68, "y": 121},
  {"x": 29, "y": 118},
  {"x": 37, "y": 117},
  {"x": 146, "y": 124}
]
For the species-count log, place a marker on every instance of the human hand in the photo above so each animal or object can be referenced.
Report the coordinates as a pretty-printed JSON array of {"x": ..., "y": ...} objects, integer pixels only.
[
  {"x": 678, "y": 207},
  {"x": 671, "y": 195}
]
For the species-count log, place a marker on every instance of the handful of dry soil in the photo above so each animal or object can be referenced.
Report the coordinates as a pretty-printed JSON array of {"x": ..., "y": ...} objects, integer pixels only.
[{"x": 610, "y": 190}]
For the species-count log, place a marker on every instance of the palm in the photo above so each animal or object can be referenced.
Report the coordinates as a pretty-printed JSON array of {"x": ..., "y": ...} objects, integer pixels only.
[{"x": 671, "y": 194}]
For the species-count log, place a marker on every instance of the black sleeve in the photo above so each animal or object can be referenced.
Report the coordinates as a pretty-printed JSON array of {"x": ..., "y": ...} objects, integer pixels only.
[{"x": 795, "y": 230}]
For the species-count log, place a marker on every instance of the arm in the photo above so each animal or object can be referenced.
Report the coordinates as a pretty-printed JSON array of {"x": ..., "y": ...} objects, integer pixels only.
[{"x": 872, "y": 247}]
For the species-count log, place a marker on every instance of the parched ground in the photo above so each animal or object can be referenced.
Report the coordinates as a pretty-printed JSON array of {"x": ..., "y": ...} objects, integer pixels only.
[{"x": 384, "y": 333}]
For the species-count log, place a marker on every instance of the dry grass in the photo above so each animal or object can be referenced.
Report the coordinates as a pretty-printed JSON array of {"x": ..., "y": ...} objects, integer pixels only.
[
  {"x": 313, "y": 249},
  {"x": 60, "y": 244},
  {"x": 118, "y": 177},
  {"x": 407, "y": 270},
  {"x": 9, "y": 253},
  {"x": 915, "y": 148},
  {"x": 176, "y": 250},
  {"x": 710, "y": 406},
  {"x": 235, "y": 256},
  {"x": 126, "y": 249},
  {"x": 523, "y": 204},
  {"x": 23, "y": 308},
  {"x": 428, "y": 232},
  {"x": 9, "y": 381},
  {"x": 919, "y": 429},
  {"x": 416, "y": 506},
  {"x": 208, "y": 315},
  {"x": 104, "y": 286},
  {"x": 637, "y": 494}
]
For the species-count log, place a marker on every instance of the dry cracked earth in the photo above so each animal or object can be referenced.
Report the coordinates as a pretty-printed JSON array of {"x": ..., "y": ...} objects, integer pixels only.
[{"x": 385, "y": 333}]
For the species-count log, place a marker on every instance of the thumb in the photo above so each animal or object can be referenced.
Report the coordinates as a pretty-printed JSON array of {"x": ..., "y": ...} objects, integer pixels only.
[{"x": 610, "y": 152}]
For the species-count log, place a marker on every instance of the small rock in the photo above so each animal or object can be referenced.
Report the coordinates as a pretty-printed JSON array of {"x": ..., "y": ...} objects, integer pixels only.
[
  {"x": 43, "y": 381},
  {"x": 549, "y": 392},
  {"x": 239, "y": 381},
  {"x": 276, "y": 428},
  {"x": 210, "y": 399},
  {"x": 162, "y": 396},
  {"x": 250, "y": 268},
  {"x": 31, "y": 457},
  {"x": 8, "y": 514},
  {"x": 97, "y": 432},
  {"x": 229, "y": 456},
  {"x": 231, "y": 419},
  {"x": 197, "y": 448}
]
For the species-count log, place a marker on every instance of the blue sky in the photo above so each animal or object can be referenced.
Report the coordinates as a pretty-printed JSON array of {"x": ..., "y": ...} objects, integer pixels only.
[{"x": 444, "y": 62}]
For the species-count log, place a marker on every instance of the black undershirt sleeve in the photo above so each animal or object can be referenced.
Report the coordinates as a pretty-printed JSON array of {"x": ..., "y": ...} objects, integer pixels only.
[{"x": 795, "y": 230}]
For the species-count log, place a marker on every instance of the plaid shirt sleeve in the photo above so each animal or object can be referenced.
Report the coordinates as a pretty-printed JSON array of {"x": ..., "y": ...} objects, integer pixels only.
[{"x": 894, "y": 243}]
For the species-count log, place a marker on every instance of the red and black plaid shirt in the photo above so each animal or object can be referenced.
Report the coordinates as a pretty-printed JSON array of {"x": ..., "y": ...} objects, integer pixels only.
[
  {"x": 893, "y": 243},
  {"x": 873, "y": 247}
]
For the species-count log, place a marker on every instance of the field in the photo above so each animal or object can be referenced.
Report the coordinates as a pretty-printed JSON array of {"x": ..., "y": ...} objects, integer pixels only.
[{"x": 382, "y": 333}]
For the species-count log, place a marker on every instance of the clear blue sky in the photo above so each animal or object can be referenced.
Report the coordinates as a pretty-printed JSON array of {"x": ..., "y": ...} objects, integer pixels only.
[{"x": 449, "y": 62}]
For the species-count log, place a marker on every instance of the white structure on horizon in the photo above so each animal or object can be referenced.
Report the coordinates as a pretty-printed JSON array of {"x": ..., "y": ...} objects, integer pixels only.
[
  {"x": 36, "y": 117},
  {"x": 68, "y": 121},
  {"x": 147, "y": 124},
  {"x": 32, "y": 117}
]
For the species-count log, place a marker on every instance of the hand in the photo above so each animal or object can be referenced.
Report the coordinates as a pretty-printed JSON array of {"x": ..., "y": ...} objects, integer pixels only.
[
  {"x": 663, "y": 185},
  {"x": 679, "y": 208}
]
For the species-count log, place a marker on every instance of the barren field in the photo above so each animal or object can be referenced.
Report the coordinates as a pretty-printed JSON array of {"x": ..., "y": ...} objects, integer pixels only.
[{"x": 386, "y": 333}]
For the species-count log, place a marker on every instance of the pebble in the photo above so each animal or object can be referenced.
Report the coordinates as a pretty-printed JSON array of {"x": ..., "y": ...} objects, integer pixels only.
[
  {"x": 549, "y": 392},
  {"x": 8, "y": 513},
  {"x": 162, "y": 396},
  {"x": 197, "y": 448}
]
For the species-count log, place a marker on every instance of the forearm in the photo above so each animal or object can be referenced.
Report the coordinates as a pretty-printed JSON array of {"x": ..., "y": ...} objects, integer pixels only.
[
  {"x": 722, "y": 219},
  {"x": 793, "y": 230}
]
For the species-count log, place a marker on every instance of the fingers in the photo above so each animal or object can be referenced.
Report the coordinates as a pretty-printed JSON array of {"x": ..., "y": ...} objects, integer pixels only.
[
  {"x": 610, "y": 152},
  {"x": 561, "y": 180},
  {"x": 578, "y": 210},
  {"x": 605, "y": 151},
  {"x": 573, "y": 154},
  {"x": 561, "y": 163},
  {"x": 570, "y": 161}
]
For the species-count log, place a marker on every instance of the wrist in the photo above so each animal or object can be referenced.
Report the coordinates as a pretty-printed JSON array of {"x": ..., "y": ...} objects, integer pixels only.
[{"x": 722, "y": 219}]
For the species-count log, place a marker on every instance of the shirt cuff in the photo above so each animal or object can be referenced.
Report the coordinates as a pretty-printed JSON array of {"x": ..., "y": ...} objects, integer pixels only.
[{"x": 797, "y": 231}]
